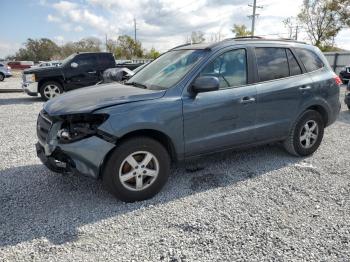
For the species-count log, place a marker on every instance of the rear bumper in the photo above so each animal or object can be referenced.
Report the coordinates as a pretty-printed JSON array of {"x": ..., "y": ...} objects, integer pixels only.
[{"x": 84, "y": 157}]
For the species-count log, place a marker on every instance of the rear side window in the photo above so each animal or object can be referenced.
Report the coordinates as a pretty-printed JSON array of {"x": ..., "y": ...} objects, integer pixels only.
[
  {"x": 230, "y": 68},
  {"x": 105, "y": 60},
  {"x": 294, "y": 68},
  {"x": 272, "y": 63},
  {"x": 310, "y": 60}
]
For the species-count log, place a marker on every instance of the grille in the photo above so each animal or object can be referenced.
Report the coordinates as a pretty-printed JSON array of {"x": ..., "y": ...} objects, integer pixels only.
[{"x": 43, "y": 126}]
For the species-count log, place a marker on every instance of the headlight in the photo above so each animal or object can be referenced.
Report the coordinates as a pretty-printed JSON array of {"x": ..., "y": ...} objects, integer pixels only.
[
  {"x": 77, "y": 127},
  {"x": 30, "y": 78}
]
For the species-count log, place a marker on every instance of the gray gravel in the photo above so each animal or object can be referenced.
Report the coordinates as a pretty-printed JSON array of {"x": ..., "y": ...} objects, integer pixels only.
[{"x": 254, "y": 205}]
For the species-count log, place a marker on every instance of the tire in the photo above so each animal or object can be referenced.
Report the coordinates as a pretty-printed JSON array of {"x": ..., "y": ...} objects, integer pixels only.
[
  {"x": 2, "y": 77},
  {"x": 50, "y": 89},
  {"x": 348, "y": 107},
  {"x": 296, "y": 143},
  {"x": 117, "y": 167}
]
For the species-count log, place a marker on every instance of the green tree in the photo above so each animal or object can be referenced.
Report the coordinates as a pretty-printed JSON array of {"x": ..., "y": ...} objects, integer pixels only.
[
  {"x": 42, "y": 49},
  {"x": 152, "y": 54},
  {"x": 240, "y": 30},
  {"x": 323, "y": 19},
  {"x": 127, "y": 48}
]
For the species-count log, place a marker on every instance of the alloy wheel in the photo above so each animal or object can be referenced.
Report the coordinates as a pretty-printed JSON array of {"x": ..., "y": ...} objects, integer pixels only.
[
  {"x": 309, "y": 134},
  {"x": 139, "y": 170},
  {"x": 51, "y": 91}
]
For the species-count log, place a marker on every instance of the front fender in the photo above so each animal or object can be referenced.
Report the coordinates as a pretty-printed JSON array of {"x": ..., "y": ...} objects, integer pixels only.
[{"x": 163, "y": 115}]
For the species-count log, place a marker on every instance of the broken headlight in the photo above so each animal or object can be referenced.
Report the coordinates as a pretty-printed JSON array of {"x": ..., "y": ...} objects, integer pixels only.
[{"x": 79, "y": 126}]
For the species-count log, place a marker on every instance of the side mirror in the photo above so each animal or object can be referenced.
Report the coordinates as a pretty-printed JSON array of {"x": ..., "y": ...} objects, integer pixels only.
[
  {"x": 74, "y": 65},
  {"x": 205, "y": 84}
]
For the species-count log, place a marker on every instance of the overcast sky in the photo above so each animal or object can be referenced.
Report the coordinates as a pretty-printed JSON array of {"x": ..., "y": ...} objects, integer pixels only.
[{"x": 160, "y": 23}]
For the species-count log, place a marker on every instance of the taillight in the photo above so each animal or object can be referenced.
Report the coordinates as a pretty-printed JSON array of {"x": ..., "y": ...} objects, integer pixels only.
[{"x": 338, "y": 80}]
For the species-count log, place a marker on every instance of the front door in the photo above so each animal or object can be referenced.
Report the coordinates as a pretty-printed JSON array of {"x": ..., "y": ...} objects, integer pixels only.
[
  {"x": 84, "y": 74},
  {"x": 225, "y": 118}
]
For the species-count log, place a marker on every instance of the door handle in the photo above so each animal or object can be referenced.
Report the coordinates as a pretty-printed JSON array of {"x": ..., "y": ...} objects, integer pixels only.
[
  {"x": 306, "y": 87},
  {"x": 92, "y": 72},
  {"x": 247, "y": 100}
]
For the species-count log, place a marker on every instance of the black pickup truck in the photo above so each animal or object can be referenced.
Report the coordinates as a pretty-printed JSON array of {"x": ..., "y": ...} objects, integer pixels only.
[{"x": 76, "y": 71}]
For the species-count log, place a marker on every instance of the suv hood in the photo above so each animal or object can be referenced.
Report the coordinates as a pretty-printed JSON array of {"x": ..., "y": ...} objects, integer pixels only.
[{"x": 88, "y": 99}]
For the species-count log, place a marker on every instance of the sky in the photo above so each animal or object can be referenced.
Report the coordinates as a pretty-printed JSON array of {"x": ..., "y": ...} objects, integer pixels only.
[{"x": 161, "y": 24}]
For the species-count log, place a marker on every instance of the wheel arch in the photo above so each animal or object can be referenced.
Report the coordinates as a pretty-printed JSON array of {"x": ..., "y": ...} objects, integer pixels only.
[
  {"x": 322, "y": 111},
  {"x": 157, "y": 135},
  {"x": 51, "y": 79}
]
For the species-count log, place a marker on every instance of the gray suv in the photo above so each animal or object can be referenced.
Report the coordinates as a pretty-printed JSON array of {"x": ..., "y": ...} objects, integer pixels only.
[{"x": 191, "y": 101}]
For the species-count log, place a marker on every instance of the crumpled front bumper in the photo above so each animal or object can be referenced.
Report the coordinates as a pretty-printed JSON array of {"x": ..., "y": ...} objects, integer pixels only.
[{"x": 83, "y": 157}]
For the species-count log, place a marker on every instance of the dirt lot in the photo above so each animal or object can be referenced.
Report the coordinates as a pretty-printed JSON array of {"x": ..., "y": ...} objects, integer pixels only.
[{"x": 253, "y": 205}]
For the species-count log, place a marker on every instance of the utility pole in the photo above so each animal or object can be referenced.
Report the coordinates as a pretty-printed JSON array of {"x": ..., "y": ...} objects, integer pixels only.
[
  {"x": 106, "y": 44},
  {"x": 254, "y": 15},
  {"x": 135, "y": 29},
  {"x": 296, "y": 32}
]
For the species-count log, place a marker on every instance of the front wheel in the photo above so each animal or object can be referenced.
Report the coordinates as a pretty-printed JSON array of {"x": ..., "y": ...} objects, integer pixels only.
[
  {"x": 50, "y": 90},
  {"x": 137, "y": 169},
  {"x": 2, "y": 77},
  {"x": 306, "y": 134}
]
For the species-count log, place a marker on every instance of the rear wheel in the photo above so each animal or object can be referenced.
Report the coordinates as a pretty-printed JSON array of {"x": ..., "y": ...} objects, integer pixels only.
[
  {"x": 50, "y": 90},
  {"x": 306, "y": 135},
  {"x": 137, "y": 169},
  {"x": 2, "y": 77}
]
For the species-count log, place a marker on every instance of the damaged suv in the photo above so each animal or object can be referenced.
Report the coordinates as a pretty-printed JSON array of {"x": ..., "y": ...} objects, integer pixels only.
[{"x": 191, "y": 101}]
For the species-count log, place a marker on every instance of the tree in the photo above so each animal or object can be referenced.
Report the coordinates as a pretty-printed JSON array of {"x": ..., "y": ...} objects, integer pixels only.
[
  {"x": 42, "y": 49},
  {"x": 240, "y": 30},
  {"x": 127, "y": 48},
  {"x": 196, "y": 37},
  {"x": 89, "y": 44},
  {"x": 153, "y": 54},
  {"x": 324, "y": 19}
]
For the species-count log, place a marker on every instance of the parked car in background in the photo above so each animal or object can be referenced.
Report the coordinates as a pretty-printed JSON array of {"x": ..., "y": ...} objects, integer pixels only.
[
  {"x": 20, "y": 64},
  {"x": 345, "y": 74},
  {"x": 76, "y": 71},
  {"x": 191, "y": 101},
  {"x": 5, "y": 71},
  {"x": 347, "y": 95}
]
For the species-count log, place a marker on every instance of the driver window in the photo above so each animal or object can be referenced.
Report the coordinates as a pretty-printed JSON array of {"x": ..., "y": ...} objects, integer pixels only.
[{"x": 230, "y": 68}]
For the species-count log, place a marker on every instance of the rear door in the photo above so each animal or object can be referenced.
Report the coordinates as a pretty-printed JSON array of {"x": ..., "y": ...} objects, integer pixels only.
[
  {"x": 281, "y": 84},
  {"x": 85, "y": 74},
  {"x": 224, "y": 118}
]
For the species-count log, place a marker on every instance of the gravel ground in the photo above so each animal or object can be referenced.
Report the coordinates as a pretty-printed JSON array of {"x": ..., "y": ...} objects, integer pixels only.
[{"x": 253, "y": 205}]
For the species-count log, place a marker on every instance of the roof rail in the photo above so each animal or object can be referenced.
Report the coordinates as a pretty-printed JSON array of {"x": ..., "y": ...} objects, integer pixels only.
[
  {"x": 259, "y": 38},
  {"x": 180, "y": 46}
]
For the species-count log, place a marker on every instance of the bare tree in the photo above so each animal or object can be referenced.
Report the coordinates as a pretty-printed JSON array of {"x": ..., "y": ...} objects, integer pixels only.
[
  {"x": 324, "y": 19},
  {"x": 196, "y": 37}
]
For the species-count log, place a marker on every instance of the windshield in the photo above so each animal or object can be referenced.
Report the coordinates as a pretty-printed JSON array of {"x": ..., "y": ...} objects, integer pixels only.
[
  {"x": 167, "y": 70},
  {"x": 67, "y": 60}
]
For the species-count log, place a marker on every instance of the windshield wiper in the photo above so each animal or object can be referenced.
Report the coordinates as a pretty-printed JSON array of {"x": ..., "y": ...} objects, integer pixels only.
[{"x": 136, "y": 85}]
